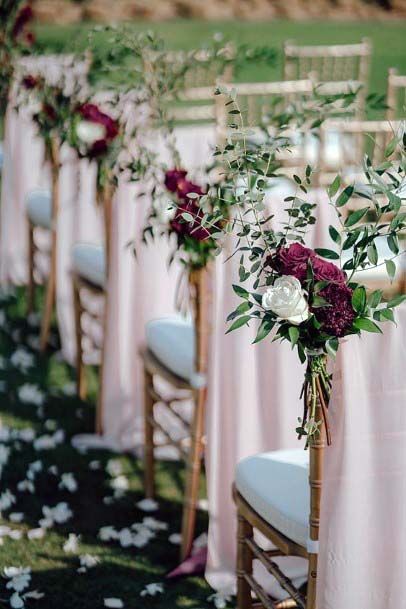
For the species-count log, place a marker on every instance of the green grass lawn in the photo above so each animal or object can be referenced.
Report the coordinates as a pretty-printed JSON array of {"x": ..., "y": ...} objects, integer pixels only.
[
  {"x": 122, "y": 572},
  {"x": 388, "y": 38}
]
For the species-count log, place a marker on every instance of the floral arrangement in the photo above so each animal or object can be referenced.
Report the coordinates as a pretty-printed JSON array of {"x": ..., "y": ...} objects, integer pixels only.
[
  {"x": 92, "y": 131},
  {"x": 52, "y": 107},
  {"x": 97, "y": 136},
  {"x": 311, "y": 298},
  {"x": 15, "y": 38},
  {"x": 182, "y": 218}
]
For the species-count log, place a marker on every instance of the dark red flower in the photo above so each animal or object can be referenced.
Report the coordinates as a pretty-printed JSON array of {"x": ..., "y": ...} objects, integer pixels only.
[
  {"x": 185, "y": 187},
  {"x": 24, "y": 16},
  {"x": 172, "y": 178},
  {"x": 191, "y": 229},
  {"x": 337, "y": 318},
  {"x": 29, "y": 82},
  {"x": 29, "y": 39},
  {"x": 98, "y": 148},
  {"x": 292, "y": 260},
  {"x": 327, "y": 271},
  {"x": 49, "y": 111},
  {"x": 91, "y": 112}
]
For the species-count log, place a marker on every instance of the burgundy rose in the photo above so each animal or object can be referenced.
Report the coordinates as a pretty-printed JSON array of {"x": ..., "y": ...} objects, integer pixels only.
[
  {"x": 49, "y": 111},
  {"x": 185, "y": 187},
  {"x": 172, "y": 178},
  {"x": 191, "y": 229},
  {"x": 91, "y": 112},
  {"x": 327, "y": 271},
  {"x": 337, "y": 318},
  {"x": 29, "y": 82},
  {"x": 24, "y": 16},
  {"x": 292, "y": 260},
  {"x": 98, "y": 148}
]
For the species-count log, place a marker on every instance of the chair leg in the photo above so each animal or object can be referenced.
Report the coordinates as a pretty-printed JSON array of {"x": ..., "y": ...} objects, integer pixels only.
[
  {"x": 311, "y": 582},
  {"x": 31, "y": 282},
  {"x": 149, "y": 457},
  {"x": 244, "y": 563},
  {"x": 48, "y": 308},
  {"x": 80, "y": 367},
  {"x": 193, "y": 476}
]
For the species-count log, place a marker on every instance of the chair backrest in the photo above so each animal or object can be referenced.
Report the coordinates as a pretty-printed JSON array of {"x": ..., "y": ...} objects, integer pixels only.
[
  {"x": 341, "y": 67},
  {"x": 257, "y": 103},
  {"x": 195, "y": 103},
  {"x": 331, "y": 63},
  {"x": 353, "y": 140},
  {"x": 66, "y": 69},
  {"x": 396, "y": 95}
]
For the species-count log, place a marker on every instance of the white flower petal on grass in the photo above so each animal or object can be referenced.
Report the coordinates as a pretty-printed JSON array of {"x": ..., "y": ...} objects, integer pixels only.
[
  {"x": 31, "y": 394},
  {"x": 16, "y": 516},
  {"x": 2, "y": 362},
  {"x": 19, "y": 578},
  {"x": 87, "y": 561},
  {"x": 120, "y": 483},
  {"x": 4, "y": 454},
  {"x": 175, "y": 538},
  {"x": 5, "y": 433},
  {"x": 15, "y": 534},
  {"x": 94, "y": 465},
  {"x": 68, "y": 482},
  {"x": 22, "y": 359},
  {"x": 38, "y": 533},
  {"x": 69, "y": 389},
  {"x": 59, "y": 514},
  {"x": 147, "y": 505},
  {"x": 34, "y": 320},
  {"x": 35, "y": 594},
  {"x": 16, "y": 335},
  {"x": 26, "y": 435},
  {"x": 4, "y": 531},
  {"x": 71, "y": 546},
  {"x": 114, "y": 467},
  {"x": 125, "y": 537},
  {"x": 154, "y": 525},
  {"x": 152, "y": 589},
  {"x": 3, "y": 386},
  {"x": 108, "y": 533},
  {"x": 26, "y": 486},
  {"x": 33, "y": 342},
  {"x": 113, "y": 603},
  {"x": 50, "y": 425},
  {"x": 53, "y": 469},
  {"x": 220, "y": 599},
  {"x": 16, "y": 602},
  {"x": 7, "y": 499},
  {"x": 48, "y": 442}
]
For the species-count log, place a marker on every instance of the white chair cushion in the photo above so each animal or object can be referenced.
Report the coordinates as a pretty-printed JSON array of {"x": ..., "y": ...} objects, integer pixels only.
[
  {"x": 39, "y": 208},
  {"x": 172, "y": 341},
  {"x": 276, "y": 486},
  {"x": 89, "y": 262}
]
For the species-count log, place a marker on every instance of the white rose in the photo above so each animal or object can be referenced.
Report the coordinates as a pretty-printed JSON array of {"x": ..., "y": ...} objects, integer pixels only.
[
  {"x": 286, "y": 299},
  {"x": 89, "y": 132}
]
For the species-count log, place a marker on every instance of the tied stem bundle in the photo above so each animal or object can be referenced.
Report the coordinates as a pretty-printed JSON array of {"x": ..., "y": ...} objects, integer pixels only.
[{"x": 316, "y": 393}]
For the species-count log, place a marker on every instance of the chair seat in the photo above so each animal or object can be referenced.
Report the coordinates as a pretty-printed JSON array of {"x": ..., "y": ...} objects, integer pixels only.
[
  {"x": 89, "y": 263},
  {"x": 39, "y": 208},
  {"x": 276, "y": 486},
  {"x": 172, "y": 341}
]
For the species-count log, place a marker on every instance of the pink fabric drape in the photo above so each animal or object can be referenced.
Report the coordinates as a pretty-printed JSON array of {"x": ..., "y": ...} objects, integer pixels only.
[{"x": 363, "y": 520}]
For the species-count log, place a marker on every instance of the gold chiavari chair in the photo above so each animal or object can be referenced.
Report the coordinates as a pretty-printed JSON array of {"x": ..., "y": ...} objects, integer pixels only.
[
  {"x": 356, "y": 139},
  {"x": 90, "y": 264},
  {"x": 339, "y": 68},
  {"x": 43, "y": 206},
  {"x": 396, "y": 95},
  {"x": 278, "y": 494},
  {"x": 177, "y": 352}
]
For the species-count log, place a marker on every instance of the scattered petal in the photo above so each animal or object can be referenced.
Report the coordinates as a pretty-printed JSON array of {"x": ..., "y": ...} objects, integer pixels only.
[
  {"x": 71, "y": 546},
  {"x": 38, "y": 533},
  {"x": 113, "y": 603},
  {"x": 175, "y": 538},
  {"x": 152, "y": 589},
  {"x": 147, "y": 505}
]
